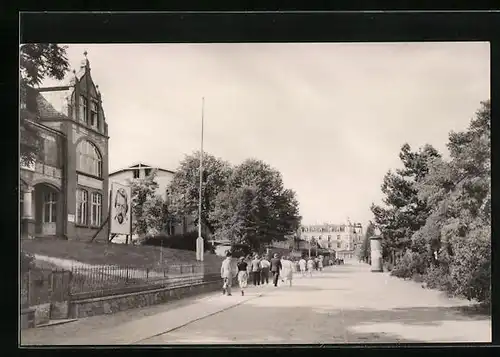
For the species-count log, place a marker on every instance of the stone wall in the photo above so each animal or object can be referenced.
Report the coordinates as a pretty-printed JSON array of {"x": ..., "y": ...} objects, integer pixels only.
[
  {"x": 59, "y": 310},
  {"x": 115, "y": 303},
  {"x": 27, "y": 318},
  {"x": 42, "y": 314}
]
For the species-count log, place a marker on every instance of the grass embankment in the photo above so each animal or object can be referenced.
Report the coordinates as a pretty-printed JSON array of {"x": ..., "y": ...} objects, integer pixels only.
[{"x": 134, "y": 256}]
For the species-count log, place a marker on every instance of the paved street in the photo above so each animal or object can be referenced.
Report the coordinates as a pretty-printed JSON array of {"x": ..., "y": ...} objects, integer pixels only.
[{"x": 343, "y": 304}]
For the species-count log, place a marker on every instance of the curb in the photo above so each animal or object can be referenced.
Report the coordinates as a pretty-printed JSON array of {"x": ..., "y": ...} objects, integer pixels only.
[
  {"x": 199, "y": 318},
  {"x": 56, "y": 322}
]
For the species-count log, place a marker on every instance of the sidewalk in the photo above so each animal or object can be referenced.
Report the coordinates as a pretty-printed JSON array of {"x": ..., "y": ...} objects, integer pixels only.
[{"x": 95, "y": 331}]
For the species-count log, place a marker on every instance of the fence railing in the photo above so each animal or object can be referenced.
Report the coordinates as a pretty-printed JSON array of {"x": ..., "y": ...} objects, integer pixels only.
[
  {"x": 81, "y": 282},
  {"x": 112, "y": 280}
]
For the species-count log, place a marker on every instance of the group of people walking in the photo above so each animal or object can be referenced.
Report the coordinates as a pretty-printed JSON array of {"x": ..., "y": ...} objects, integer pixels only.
[{"x": 258, "y": 269}]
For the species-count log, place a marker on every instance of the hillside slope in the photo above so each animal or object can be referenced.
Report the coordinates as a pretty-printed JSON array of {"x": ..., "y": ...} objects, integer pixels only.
[{"x": 114, "y": 254}]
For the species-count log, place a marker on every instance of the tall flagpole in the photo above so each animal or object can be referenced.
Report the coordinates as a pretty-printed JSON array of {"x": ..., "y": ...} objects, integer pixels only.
[{"x": 199, "y": 240}]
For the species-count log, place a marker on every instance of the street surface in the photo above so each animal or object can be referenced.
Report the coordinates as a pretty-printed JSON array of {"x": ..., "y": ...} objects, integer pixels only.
[{"x": 342, "y": 304}]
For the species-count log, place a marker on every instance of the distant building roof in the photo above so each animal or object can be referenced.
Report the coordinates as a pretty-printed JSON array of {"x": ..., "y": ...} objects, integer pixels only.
[{"x": 139, "y": 165}]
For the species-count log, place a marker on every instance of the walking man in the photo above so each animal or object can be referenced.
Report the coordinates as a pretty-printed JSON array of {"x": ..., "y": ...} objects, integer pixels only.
[
  {"x": 275, "y": 268},
  {"x": 256, "y": 270},
  {"x": 227, "y": 273},
  {"x": 264, "y": 270}
]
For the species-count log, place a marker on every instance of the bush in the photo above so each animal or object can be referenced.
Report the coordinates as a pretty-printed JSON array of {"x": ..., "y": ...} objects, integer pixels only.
[
  {"x": 438, "y": 277},
  {"x": 27, "y": 262},
  {"x": 470, "y": 270},
  {"x": 409, "y": 265},
  {"x": 179, "y": 241}
]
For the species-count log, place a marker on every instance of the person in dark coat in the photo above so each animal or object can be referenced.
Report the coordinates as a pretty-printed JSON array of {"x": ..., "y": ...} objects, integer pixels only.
[{"x": 275, "y": 268}]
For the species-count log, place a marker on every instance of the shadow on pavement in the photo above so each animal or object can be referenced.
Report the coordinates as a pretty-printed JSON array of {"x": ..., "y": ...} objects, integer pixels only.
[{"x": 261, "y": 324}]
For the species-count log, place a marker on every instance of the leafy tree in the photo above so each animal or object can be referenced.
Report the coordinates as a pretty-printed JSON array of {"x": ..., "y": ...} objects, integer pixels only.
[
  {"x": 184, "y": 188},
  {"x": 255, "y": 208},
  {"x": 403, "y": 212},
  {"x": 36, "y": 62},
  {"x": 148, "y": 208},
  {"x": 458, "y": 228}
]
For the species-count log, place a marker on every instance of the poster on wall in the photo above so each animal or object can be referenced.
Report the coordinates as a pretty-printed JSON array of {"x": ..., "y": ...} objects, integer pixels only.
[{"x": 121, "y": 209}]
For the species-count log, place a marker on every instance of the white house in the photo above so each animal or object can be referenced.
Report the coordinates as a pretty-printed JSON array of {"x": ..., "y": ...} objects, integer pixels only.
[
  {"x": 163, "y": 178},
  {"x": 141, "y": 170}
]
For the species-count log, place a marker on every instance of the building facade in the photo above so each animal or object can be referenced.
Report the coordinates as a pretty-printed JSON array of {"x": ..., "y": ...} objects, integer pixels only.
[
  {"x": 64, "y": 192},
  {"x": 163, "y": 177},
  {"x": 140, "y": 171},
  {"x": 344, "y": 239}
]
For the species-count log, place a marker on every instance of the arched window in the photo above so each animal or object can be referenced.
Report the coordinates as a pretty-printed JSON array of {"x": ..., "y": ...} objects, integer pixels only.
[{"x": 89, "y": 159}]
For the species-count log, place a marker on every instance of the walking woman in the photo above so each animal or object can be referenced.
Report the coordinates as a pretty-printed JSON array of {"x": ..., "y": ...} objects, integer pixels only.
[
  {"x": 310, "y": 266},
  {"x": 287, "y": 270},
  {"x": 242, "y": 274}
]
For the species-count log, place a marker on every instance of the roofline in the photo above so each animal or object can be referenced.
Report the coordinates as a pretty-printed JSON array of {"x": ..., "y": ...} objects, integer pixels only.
[
  {"x": 53, "y": 89},
  {"x": 131, "y": 169},
  {"x": 45, "y": 127}
]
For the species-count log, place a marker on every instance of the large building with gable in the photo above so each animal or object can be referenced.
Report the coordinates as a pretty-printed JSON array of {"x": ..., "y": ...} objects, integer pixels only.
[
  {"x": 345, "y": 239},
  {"x": 64, "y": 194}
]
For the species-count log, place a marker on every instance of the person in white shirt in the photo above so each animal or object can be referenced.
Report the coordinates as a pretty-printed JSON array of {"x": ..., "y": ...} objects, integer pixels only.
[
  {"x": 228, "y": 271},
  {"x": 302, "y": 266},
  {"x": 264, "y": 270}
]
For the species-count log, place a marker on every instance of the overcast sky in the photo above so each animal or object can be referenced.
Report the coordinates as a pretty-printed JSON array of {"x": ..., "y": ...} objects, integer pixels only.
[{"x": 330, "y": 117}]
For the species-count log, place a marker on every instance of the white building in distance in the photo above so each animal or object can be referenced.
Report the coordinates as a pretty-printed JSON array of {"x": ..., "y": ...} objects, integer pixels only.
[{"x": 344, "y": 239}]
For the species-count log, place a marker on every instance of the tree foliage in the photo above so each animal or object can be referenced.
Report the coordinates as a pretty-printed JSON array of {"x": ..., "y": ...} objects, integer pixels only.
[
  {"x": 459, "y": 191},
  {"x": 452, "y": 247},
  {"x": 36, "y": 62},
  {"x": 41, "y": 60},
  {"x": 403, "y": 212},
  {"x": 255, "y": 208},
  {"x": 148, "y": 209},
  {"x": 184, "y": 188}
]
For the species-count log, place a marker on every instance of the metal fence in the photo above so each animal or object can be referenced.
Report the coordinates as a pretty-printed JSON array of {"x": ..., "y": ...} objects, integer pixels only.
[
  {"x": 82, "y": 282},
  {"x": 95, "y": 281}
]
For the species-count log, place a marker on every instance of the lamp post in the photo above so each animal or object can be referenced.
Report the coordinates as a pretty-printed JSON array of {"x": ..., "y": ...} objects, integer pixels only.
[{"x": 199, "y": 240}]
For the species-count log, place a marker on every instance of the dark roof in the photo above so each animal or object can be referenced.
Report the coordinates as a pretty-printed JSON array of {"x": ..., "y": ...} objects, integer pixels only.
[
  {"x": 134, "y": 167},
  {"x": 38, "y": 106},
  {"x": 46, "y": 111}
]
